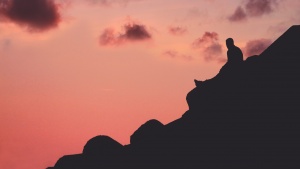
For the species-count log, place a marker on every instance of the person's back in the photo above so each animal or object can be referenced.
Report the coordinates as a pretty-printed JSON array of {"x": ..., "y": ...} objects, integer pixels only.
[{"x": 234, "y": 54}]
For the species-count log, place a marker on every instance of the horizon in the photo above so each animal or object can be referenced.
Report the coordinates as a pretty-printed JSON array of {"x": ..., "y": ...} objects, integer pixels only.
[{"x": 106, "y": 67}]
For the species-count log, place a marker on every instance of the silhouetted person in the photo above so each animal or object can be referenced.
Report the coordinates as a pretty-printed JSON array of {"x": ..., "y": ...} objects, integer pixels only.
[
  {"x": 234, "y": 53},
  {"x": 234, "y": 58}
]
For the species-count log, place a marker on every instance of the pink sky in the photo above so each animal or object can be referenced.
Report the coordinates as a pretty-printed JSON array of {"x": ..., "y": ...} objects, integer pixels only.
[{"x": 105, "y": 67}]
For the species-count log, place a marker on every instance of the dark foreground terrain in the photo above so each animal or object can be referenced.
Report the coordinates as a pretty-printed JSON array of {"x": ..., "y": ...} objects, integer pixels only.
[{"x": 247, "y": 117}]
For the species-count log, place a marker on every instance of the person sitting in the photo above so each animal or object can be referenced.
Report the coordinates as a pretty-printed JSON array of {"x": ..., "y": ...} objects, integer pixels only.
[
  {"x": 234, "y": 57},
  {"x": 234, "y": 53}
]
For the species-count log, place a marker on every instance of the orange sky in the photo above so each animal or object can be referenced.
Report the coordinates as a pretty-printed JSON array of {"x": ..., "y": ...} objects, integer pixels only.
[{"x": 105, "y": 67}]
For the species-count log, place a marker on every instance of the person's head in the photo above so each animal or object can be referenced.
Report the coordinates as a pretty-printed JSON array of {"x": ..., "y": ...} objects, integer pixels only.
[{"x": 229, "y": 43}]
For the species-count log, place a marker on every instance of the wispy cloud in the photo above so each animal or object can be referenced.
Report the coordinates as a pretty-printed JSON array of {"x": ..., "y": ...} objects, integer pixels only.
[
  {"x": 176, "y": 55},
  {"x": 253, "y": 8},
  {"x": 256, "y": 8},
  {"x": 132, "y": 32},
  {"x": 209, "y": 45},
  {"x": 177, "y": 30},
  {"x": 238, "y": 15},
  {"x": 256, "y": 47}
]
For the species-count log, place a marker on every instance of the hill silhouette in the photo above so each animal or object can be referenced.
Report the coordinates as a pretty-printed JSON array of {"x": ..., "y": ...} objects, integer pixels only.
[{"x": 248, "y": 116}]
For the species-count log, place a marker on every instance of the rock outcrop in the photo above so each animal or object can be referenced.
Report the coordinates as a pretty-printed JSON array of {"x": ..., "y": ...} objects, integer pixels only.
[
  {"x": 102, "y": 146},
  {"x": 147, "y": 133},
  {"x": 248, "y": 116}
]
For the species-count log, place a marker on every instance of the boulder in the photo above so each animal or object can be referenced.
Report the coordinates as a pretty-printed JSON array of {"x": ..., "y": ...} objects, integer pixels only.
[
  {"x": 147, "y": 133},
  {"x": 102, "y": 145}
]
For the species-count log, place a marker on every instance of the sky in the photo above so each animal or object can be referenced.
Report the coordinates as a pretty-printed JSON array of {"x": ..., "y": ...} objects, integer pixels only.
[{"x": 74, "y": 69}]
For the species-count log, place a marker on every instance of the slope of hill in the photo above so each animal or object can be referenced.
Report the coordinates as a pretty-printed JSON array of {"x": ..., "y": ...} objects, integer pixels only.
[{"x": 248, "y": 116}]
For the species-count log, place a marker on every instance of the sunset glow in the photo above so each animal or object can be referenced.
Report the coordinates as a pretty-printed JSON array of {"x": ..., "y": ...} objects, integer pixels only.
[{"x": 104, "y": 67}]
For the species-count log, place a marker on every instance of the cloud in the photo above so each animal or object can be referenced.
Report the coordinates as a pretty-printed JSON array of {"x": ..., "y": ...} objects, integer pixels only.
[
  {"x": 175, "y": 55},
  {"x": 177, "y": 30},
  {"x": 207, "y": 38},
  {"x": 260, "y": 7},
  {"x": 256, "y": 47},
  {"x": 132, "y": 32},
  {"x": 238, "y": 15},
  {"x": 253, "y": 8},
  {"x": 213, "y": 52},
  {"x": 35, "y": 15},
  {"x": 209, "y": 45},
  {"x": 135, "y": 32},
  {"x": 108, "y": 37}
]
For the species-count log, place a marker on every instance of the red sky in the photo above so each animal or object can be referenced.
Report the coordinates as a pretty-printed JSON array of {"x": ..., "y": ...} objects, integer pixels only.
[{"x": 74, "y": 69}]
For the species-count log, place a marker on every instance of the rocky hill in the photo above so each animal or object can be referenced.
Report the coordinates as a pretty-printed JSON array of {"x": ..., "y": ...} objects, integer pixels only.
[{"x": 248, "y": 116}]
